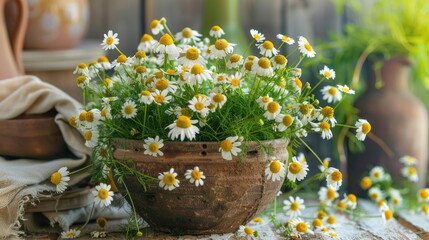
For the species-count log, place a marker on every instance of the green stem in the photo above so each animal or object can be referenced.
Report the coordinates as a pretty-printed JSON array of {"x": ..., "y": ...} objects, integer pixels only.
[
  {"x": 132, "y": 205},
  {"x": 317, "y": 85},
  {"x": 311, "y": 150},
  {"x": 343, "y": 125},
  {"x": 304, "y": 183},
  {"x": 117, "y": 49},
  {"x": 248, "y": 47},
  {"x": 89, "y": 216},
  {"x": 81, "y": 169}
]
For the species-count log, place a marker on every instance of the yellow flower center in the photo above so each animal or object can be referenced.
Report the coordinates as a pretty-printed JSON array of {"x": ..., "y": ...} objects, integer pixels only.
[
  {"x": 366, "y": 128},
  {"x": 304, "y": 109},
  {"x": 185, "y": 112},
  {"x": 285, "y": 38},
  {"x": 226, "y": 145},
  {"x": 161, "y": 84},
  {"x": 82, "y": 116},
  {"x": 235, "y": 82},
  {"x": 395, "y": 201},
  {"x": 317, "y": 222},
  {"x": 258, "y": 220},
  {"x": 282, "y": 83},
  {"x": 199, "y": 106},
  {"x": 218, "y": 98},
  {"x": 321, "y": 214},
  {"x": 248, "y": 65},
  {"x": 331, "y": 194},
  {"x": 122, "y": 58},
  {"x": 388, "y": 214},
  {"x": 141, "y": 69},
  {"x": 159, "y": 98},
  {"x": 294, "y": 206},
  {"x": 351, "y": 198},
  {"x": 196, "y": 174},
  {"x": 154, "y": 23},
  {"x": 197, "y": 69},
  {"x": 248, "y": 231},
  {"x": 275, "y": 166},
  {"x": 336, "y": 176},
  {"x": 327, "y": 74},
  {"x": 216, "y": 28},
  {"x": 287, "y": 120},
  {"x": 129, "y": 109},
  {"x": 192, "y": 54},
  {"x": 146, "y": 37},
  {"x": 234, "y": 58},
  {"x": 80, "y": 80},
  {"x": 140, "y": 54},
  {"x": 412, "y": 171},
  {"x": 187, "y": 32},
  {"x": 298, "y": 83},
  {"x": 56, "y": 178},
  {"x": 345, "y": 89},
  {"x": 377, "y": 174},
  {"x": 325, "y": 126},
  {"x": 328, "y": 112},
  {"x": 154, "y": 147},
  {"x": 295, "y": 167},
  {"x": 88, "y": 135},
  {"x": 301, "y": 227},
  {"x": 264, "y": 63},
  {"x": 257, "y": 37},
  {"x": 325, "y": 163},
  {"x": 273, "y": 107},
  {"x": 103, "y": 193},
  {"x": 109, "y": 40},
  {"x": 102, "y": 59},
  {"x": 221, "y": 44},
  {"x": 145, "y": 93},
  {"x": 101, "y": 222},
  {"x": 220, "y": 78},
  {"x": 265, "y": 99},
  {"x": 72, "y": 121},
  {"x": 331, "y": 220},
  {"x": 107, "y": 81},
  {"x": 381, "y": 202},
  {"x": 424, "y": 194},
  {"x": 158, "y": 74},
  {"x": 332, "y": 91},
  {"x": 183, "y": 122},
  {"x": 268, "y": 45},
  {"x": 374, "y": 195},
  {"x": 104, "y": 112},
  {"x": 89, "y": 117},
  {"x": 425, "y": 209},
  {"x": 280, "y": 59},
  {"x": 71, "y": 234},
  {"x": 166, "y": 40},
  {"x": 81, "y": 65},
  {"x": 308, "y": 47},
  {"x": 171, "y": 71},
  {"x": 169, "y": 179}
]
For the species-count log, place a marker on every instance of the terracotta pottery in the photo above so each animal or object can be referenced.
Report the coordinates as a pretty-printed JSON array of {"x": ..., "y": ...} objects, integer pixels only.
[
  {"x": 11, "y": 46},
  {"x": 233, "y": 193},
  {"x": 398, "y": 118}
]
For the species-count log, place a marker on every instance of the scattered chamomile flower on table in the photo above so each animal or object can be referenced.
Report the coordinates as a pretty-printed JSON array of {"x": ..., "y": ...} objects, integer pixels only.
[
  {"x": 70, "y": 234},
  {"x": 60, "y": 179},
  {"x": 293, "y": 206},
  {"x": 246, "y": 232}
]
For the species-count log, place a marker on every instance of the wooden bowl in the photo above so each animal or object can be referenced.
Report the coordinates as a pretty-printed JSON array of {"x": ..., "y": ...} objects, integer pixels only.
[{"x": 34, "y": 136}]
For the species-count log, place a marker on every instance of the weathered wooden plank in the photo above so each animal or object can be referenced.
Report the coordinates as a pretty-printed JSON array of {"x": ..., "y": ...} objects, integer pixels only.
[{"x": 415, "y": 222}]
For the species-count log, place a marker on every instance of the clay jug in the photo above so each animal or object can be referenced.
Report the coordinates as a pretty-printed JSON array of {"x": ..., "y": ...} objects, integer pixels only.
[
  {"x": 11, "y": 46},
  {"x": 398, "y": 118}
]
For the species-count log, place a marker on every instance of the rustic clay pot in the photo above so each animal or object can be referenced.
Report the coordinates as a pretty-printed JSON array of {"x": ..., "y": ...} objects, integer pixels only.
[
  {"x": 398, "y": 118},
  {"x": 233, "y": 193}
]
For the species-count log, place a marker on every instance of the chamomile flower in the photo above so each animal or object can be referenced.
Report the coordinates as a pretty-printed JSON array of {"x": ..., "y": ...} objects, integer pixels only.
[
  {"x": 264, "y": 100},
  {"x": 331, "y": 94},
  {"x": 195, "y": 176},
  {"x": 166, "y": 46},
  {"x": 296, "y": 83},
  {"x": 200, "y": 105},
  {"x": 234, "y": 61},
  {"x": 273, "y": 109},
  {"x": 334, "y": 178},
  {"x": 103, "y": 195},
  {"x": 285, "y": 39},
  {"x": 152, "y": 146},
  {"x": 279, "y": 61},
  {"x": 221, "y": 48},
  {"x": 259, "y": 37},
  {"x": 410, "y": 172},
  {"x": 363, "y": 128},
  {"x": 297, "y": 170},
  {"x": 351, "y": 200},
  {"x": 197, "y": 74},
  {"x": 187, "y": 36},
  {"x": 183, "y": 127},
  {"x": 376, "y": 173},
  {"x": 82, "y": 81},
  {"x": 91, "y": 137},
  {"x": 191, "y": 57},
  {"x": 60, "y": 179},
  {"x": 146, "y": 97},
  {"x": 424, "y": 209},
  {"x": 235, "y": 80},
  {"x": 220, "y": 78},
  {"x": 161, "y": 97},
  {"x": 267, "y": 49},
  {"x": 168, "y": 180},
  {"x": 246, "y": 232},
  {"x": 162, "y": 84},
  {"x": 72, "y": 233},
  {"x": 156, "y": 26},
  {"x": 423, "y": 195},
  {"x": 293, "y": 206},
  {"x": 341, "y": 205},
  {"x": 262, "y": 67},
  {"x": 284, "y": 122},
  {"x": 230, "y": 147},
  {"x": 324, "y": 128},
  {"x": 345, "y": 89},
  {"x": 386, "y": 213},
  {"x": 81, "y": 69},
  {"x": 325, "y": 164},
  {"x": 216, "y": 32},
  {"x": 365, "y": 183},
  {"x": 104, "y": 62},
  {"x": 408, "y": 160},
  {"x": 305, "y": 47},
  {"x": 327, "y": 73},
  {"x": 146, "y": 43},
  {"x": 110, "y": 40},
  {"x": 217, "y": 99},
  {"x": 327, "y": 195},
  {"x": 375, "y": 194},
  {"x": 330, "y": 221},
  {"x": 395, "y": 197},
  {"x": 275, "y": 170},
  {"x": 129, "y": 109},
  {"x": 120, "y": 62},
  {"x": 296, "y": 72},
  {"x": 327, "y": 114},
  {"x": 301, "y": 227}
]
